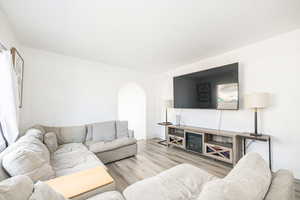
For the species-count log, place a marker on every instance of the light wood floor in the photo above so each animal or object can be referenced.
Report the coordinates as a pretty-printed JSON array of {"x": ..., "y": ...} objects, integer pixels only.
[{"x": 153, "y": 158}]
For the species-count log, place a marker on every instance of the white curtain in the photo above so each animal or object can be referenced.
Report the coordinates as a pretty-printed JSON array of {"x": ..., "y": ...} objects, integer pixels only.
[{"x": 8, "y": 98}]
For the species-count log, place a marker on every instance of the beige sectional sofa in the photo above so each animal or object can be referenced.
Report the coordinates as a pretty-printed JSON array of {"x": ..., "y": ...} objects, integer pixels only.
[
  {"x": 251, "y": 179},
  {"x": 47, "y": 152}
]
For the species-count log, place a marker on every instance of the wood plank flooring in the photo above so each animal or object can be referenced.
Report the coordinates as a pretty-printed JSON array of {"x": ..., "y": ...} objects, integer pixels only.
[{"x": 153, "y": 158}]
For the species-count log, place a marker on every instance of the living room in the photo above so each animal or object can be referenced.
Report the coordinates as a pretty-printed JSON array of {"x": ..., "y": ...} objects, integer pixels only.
[{"x": 92, "y": 67}]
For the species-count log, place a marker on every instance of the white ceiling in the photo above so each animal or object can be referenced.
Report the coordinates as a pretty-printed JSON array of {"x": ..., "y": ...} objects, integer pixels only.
[{"x": 152, "y": 35}]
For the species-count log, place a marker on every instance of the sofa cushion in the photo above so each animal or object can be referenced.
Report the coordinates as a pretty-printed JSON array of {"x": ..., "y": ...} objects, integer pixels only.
[
  {"x": 70, "y": 158},
  {"x": 50, "y": 141},
  {"x": 3, "y": 173},
  {"x": 71, "y": 134},
  {"x": 26, "y": 162},
  {"x": 104, "y": 131},
  {"x": 39, "y": 127},
  {"x": 111, "y": 195},
  {"x": 16, "y": 188},
  {"x": 35, "y": 133},
  {"x": 89, "y": 134},
  {"x": 282, "y": 186},
  {"x": 122, "y": 129},
  {"x": 248, "y": 180},
  {"x": 98, "y": 147},
  {"x": 28, "y": 141},
  {"x": 35, "y": 145},
  {"x": 44, "y": 191},
  {"x": 71, "y": 147},
  {"x": 181, "y": 182}
]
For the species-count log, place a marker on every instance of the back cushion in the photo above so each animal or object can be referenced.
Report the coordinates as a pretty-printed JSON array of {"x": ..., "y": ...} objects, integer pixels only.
[
  {"x": 35, "y": 133},
  {"x": 39, "y": 127},
  {"x": 29, "y": 141},
  {"x": 104, "y": 131},
  {"x": 26, "y": 162},
  {"x": 122, "y": 129},
  {"x": 29, "y": 157},
  {"x": 50, "y": 141},
  {"x": 16, "y": 188},
  {"x": 3, "y": 174},
  {"x": 248, "y": 180},
  {"x": 71, "y": 134},
  {"x": 35, "y": 145},
  {"x": 89, "y": 134}
]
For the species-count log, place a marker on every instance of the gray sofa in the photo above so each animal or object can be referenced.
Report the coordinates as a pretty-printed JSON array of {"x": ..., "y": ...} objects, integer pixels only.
[
  {"x": 47, "y": 152},
  {"x": 250, "y": 179},
  {"x": 109, "y": 141}
]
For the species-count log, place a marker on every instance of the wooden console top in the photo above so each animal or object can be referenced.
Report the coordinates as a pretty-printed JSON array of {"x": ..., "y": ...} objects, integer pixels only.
[
  {"x": 207, "y": 130},
  {"x": 81, "y": 182},
  {"x": 220, "y": 132}
]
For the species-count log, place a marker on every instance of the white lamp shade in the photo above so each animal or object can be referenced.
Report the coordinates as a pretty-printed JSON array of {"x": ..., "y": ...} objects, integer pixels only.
[
  {"x": 257, "y": 100},
  {"x": 168, "y": 103}
]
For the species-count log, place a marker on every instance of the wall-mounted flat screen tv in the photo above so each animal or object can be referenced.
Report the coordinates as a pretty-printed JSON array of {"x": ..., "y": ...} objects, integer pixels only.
[{"x": 216, "y": 88}]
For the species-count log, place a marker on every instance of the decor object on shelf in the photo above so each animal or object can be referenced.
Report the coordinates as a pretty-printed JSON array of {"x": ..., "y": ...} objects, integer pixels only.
[
  {"x": 18, "y": 63},
  {"x": 256, "y": 101},
  {"x": 168, "y": 104},
  {"x": 178, "y": 120}
]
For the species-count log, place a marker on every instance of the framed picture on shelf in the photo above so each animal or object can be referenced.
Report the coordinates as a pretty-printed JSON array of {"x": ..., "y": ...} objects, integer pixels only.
[{"x": 18, "y": 64}]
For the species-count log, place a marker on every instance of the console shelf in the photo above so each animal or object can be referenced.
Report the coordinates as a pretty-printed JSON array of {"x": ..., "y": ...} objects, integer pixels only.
[{"x": 221, "y": 145}]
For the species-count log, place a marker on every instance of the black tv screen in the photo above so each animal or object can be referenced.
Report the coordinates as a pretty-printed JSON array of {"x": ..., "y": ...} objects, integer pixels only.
[{"x": 215, "y": 88}]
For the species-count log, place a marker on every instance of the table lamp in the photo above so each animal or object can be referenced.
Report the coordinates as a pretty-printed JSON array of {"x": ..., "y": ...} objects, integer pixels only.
[{"x": 256, "y": 101}]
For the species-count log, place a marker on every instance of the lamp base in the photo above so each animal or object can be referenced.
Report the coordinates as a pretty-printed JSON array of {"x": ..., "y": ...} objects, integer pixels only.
[
  {"x": 165, "y": 123},
  {"x": 256, "y": 134}
]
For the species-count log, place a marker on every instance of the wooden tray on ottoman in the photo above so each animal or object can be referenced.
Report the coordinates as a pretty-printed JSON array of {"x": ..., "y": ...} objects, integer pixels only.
[{"x": 76, "y": 184}]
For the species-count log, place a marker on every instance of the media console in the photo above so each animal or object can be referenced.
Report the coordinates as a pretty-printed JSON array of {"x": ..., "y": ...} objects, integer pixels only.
[{"x": 221, "y": 145}]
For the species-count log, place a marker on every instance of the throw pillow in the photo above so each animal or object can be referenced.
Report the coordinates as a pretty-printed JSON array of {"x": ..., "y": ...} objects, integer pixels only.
[
  {"x": 36, "y": 133},
  {"x": 16, "y": 188},
  {"x": 43, "y": 191},
  {"x": 26, "y": 162},
  {"x": 122, "y": 129},
  {"x": 50, "y": 140},
  {"x": 104, "y": 131}
]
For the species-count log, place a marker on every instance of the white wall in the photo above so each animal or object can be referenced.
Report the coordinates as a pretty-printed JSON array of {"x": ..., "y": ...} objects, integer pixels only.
[
  {"x": 62, "y": 90},
  {"x": 132, "y": 107},
  {"x": 7, "y": 36},
  {"x": 270, "y": 66}
]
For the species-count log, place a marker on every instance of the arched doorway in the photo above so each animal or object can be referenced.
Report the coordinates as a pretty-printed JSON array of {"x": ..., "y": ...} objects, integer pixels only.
[{"x": 132, "y": 107}]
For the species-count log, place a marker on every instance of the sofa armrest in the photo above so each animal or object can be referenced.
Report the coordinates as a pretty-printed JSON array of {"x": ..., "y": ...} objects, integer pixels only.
[
  {"x": 131, "y": 133},
  {"x": 282, "y": 186},
  {"x": 112, "y": 195}
]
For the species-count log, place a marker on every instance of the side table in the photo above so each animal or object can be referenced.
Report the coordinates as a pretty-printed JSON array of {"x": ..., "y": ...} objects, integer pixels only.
[
  {"x": 165, "y": 124},
  {"x": 262, "y": 138}
]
